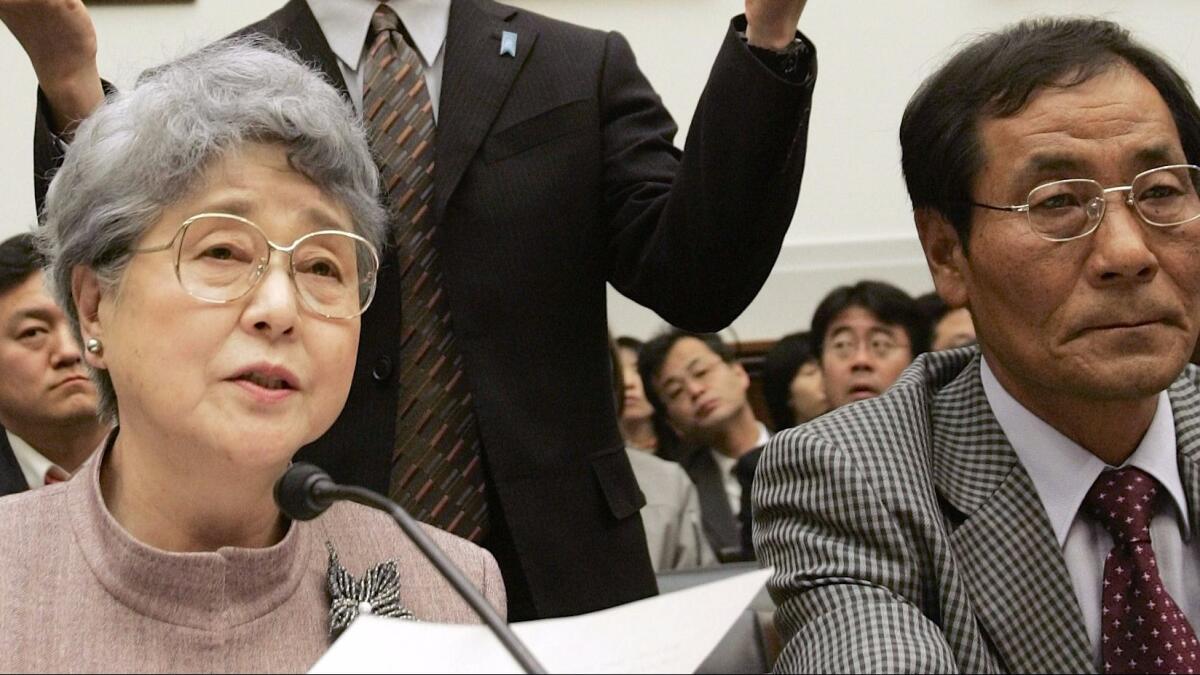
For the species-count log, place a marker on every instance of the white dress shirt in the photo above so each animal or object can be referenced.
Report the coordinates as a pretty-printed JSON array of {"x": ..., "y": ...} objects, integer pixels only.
[
  {"x": 1063, "y": 472},
  {"x": 34, "y": 465},
  {"x": 726, "y": 464},
  {"x": 346, "y": 23}
]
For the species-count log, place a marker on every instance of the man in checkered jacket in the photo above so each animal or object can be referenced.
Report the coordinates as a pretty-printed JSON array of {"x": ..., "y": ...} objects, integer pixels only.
[{"x": 1032, "y": 503}]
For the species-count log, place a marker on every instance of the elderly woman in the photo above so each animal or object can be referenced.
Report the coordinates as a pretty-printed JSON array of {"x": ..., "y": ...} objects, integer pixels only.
[{"x": 213, "y": 233}]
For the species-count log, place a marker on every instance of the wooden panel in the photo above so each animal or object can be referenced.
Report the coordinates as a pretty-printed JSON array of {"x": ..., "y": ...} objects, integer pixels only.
[{"x": 751, "y": 354}]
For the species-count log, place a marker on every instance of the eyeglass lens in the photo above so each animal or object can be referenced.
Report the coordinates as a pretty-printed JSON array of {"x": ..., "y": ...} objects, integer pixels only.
[
  {"x": 1069, "y": 208},
  {"x": 221, "y": 259},
  {"x": 879, "y": 346}
]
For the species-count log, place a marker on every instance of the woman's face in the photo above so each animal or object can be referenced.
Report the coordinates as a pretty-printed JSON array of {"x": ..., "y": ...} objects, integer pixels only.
[
  {"x": 807, "y": 393},
  {"x": 637, "y": 408},
  {"x": 254, "y": 379}
]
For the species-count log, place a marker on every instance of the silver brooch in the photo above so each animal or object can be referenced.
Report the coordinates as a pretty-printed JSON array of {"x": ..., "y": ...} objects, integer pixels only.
[{"x": 378, "y": 593}]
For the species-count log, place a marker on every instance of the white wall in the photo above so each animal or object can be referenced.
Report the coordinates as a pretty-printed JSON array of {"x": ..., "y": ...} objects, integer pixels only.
[{"x": 853, "y": 219}]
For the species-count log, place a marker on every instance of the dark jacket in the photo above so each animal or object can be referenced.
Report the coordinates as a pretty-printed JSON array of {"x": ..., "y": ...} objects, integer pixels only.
[{"x": 12, "y": 480}]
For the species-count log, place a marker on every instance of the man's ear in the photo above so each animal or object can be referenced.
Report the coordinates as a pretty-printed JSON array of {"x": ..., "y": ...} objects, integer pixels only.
[
  {"x": 85, "y": 291},
  {"x": 945, "y": 256},
  {"x": 742, "y": 375}
]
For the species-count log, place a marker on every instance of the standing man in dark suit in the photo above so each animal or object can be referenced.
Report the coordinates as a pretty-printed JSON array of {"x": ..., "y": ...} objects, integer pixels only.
[
  {"x": 528, "y": 162},
  {"x": 48, "y": 421},
  {"x": 1031, "y": 504}
]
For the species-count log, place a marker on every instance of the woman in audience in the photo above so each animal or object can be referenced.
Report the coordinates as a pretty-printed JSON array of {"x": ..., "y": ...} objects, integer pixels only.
[
  {"x": 213, "y": 236},
  {"x": 641, "y": 426},
  {"x": 637, "y": 415},
  {"x": 792, "y": 384},
  {"x": 948, "y": 328}
]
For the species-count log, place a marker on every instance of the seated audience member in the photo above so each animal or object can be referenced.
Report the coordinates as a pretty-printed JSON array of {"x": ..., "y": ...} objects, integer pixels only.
[
  {"x": 212, "y": 235},
  {"x": 48, "y": 421},
  {"x": 637, "y": 415},
  {"x": 1033, "y": 504},
  {"x": 671, "y": 516},
  {"x": 948, "y": 328},
  {"x": 701, "y": 388},
  {"x": 795, "y": 391},
  {"x": 866, "y": 334},
  {"x": 792, "y": 382}
]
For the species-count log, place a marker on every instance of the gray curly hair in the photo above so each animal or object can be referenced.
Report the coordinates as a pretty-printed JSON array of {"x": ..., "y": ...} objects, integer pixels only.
[{"x": 148, "y": 147}]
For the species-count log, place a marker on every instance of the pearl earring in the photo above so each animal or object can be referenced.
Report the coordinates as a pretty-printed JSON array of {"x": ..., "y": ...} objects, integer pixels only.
[{"x": 94, "y": 346}]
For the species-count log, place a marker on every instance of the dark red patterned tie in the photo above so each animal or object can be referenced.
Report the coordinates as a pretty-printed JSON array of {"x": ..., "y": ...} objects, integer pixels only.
[
  {"x": 436, "y": 467},
  {"x": 1142, "y": 629}
]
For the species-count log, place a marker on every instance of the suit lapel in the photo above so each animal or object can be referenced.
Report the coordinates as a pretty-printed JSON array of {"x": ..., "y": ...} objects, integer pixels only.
[
  {"x": 1012, "y": 565},
  {"x": 12, "y": 480},
  {"x": 1185, "y": 406},
  {"x": 475, "y": 83}
]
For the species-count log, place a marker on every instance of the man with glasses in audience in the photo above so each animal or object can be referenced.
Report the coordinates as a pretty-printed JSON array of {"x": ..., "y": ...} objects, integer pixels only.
[
  {"x": 48, "y": 422},
  {"x": 866, "y": 335},
  {"x": 698, "y": 383},
  {"x": 1030, "y": 505}
]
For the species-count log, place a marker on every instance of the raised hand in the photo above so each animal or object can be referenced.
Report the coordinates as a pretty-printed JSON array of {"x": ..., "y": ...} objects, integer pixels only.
[
  {"x": 60, "y": 40},
  {"x": 771, "y": 24}
]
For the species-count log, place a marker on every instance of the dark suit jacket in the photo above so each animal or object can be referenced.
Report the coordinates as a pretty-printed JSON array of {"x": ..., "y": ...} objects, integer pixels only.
[
  {"x": 744, "y": 470},
  {"x": 721, "y": 525},
  {"x": 12, "y": 480},
  {"x": 556, "y": 173}
]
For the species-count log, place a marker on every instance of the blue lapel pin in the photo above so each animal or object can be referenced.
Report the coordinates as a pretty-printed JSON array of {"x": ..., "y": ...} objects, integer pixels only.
[{"x": 508, "y": 44}]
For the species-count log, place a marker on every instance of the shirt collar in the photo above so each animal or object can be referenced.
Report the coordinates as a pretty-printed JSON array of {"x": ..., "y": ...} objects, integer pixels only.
[
  {"x": 763, "y": 435},
  {"x": 34, "y": 464},
  {"x": 345, "y": 24},
  {"x": 726, "y": 463},
  {"x": 1063, "y": 471}
]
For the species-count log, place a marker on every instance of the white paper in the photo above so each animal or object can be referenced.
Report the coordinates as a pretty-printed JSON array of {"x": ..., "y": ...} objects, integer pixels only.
[{"x": 670, "y": 633}]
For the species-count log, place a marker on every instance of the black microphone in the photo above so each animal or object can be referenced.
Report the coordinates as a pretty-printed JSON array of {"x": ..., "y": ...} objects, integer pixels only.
[{"x": 304, "y": 492}]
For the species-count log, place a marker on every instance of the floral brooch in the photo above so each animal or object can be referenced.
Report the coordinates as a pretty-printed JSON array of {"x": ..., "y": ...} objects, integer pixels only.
[{"x": 378, "y": 593}]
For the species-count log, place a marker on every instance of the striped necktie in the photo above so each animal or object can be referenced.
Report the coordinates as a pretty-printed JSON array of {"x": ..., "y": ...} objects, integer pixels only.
[{"x": 437, "y": 471}]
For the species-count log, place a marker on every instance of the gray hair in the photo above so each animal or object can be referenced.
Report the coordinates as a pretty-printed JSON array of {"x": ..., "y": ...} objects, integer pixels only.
[{"x": 148, "y": 147}]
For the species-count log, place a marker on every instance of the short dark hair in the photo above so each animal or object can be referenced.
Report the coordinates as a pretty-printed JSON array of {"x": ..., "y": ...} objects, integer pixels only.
[
  {"x": 19, "y": 259},
  {"x": 994, "y": 77},
  {"x": 779, "y": 368},
  {"x": 654, "y": 353},
  {"x": 934, "y": 307},
  {"x": 888, "y": 303},
  {"x": 631, "y": 343}
]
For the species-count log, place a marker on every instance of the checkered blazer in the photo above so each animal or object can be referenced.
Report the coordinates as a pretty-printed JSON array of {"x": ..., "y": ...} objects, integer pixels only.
[{"x": 907, "y": 537}]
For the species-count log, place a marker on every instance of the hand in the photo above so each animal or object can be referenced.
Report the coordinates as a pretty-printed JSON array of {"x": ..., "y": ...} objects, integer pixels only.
[
  {"x": 771, "y": 24},
  {"x": 60, "y": 40}
]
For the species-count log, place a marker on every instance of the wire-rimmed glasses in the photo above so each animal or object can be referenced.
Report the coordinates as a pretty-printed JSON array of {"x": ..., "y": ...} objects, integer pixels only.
[
  {"x": 220, "y": 257},
  {"x": 1064, "y": 210},
  {"x": 880, "y": 345}
]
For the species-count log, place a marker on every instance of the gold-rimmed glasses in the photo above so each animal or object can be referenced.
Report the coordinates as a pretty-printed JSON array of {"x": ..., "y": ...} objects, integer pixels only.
[
  {"x": 1064, "y": 210},
  {"x": 220, "y": 257}
]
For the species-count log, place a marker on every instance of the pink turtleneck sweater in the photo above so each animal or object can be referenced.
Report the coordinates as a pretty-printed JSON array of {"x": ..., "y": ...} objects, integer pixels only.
[{"x": 78, "y": 594}]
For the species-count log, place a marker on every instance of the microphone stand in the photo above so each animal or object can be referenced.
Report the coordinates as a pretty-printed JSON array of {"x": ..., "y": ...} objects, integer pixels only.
[{"x": 328, "y": 490}]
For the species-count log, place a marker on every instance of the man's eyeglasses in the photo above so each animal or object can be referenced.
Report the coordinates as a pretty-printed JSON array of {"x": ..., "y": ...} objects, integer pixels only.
[
  {"x": 220, "y": 257},
  {"x": 1070, "y": 209},
  {"x": 880, "y": 345}
]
